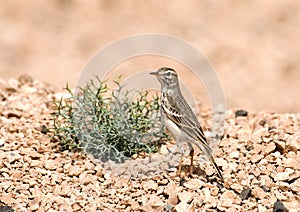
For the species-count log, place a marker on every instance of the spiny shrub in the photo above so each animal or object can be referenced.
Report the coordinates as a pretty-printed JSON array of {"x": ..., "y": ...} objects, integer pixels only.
[{"x": 108, "y": 124}]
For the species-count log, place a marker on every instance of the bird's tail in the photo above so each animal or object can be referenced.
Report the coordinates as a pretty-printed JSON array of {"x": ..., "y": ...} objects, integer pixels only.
[
  {"x": 208, "y": 154},
  {"x": 212, "y": 160}
]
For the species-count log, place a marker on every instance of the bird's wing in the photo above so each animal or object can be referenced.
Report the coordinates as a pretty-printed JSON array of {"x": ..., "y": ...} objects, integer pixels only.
[{"x": 189, "y": 125}]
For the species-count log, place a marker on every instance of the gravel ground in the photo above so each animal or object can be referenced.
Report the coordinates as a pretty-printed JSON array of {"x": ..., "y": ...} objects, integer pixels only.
[{"x": 259, "y": 156}]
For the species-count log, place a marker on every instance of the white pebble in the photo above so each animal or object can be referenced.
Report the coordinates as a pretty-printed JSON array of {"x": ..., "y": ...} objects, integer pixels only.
[{"x": 1, "y": 142}]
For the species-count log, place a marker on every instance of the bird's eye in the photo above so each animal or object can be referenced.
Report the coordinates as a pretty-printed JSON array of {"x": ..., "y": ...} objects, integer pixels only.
[{"x": 168, "y": 74}]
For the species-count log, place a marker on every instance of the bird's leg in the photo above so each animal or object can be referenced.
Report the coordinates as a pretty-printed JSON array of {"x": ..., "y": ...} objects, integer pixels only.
[
  {"x": 192, "y": 160},
  {"x": 181, "y": 157},
  {"x": 180, "y": 165}
]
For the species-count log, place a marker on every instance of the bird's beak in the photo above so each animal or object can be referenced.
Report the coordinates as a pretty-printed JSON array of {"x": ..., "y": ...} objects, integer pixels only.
[{"x": 155, "y": 73}]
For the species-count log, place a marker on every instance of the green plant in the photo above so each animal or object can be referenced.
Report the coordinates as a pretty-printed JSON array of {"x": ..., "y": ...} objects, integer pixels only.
[{"x": 109, "y": 124}]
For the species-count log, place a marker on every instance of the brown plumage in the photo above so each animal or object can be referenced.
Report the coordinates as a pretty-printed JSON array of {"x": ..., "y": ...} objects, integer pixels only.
[{"x": 179, "y": 118}]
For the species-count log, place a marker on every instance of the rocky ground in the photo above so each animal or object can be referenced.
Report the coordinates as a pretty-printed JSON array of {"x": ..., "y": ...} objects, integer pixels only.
[{"x": 259, "y": 156}]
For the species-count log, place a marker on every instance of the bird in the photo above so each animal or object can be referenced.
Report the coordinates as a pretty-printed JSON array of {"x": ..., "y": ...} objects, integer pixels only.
[{"x": 179, "y": 119}]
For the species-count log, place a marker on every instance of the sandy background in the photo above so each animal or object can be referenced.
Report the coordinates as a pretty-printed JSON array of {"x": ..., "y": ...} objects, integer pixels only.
[{"x": 254, "y": 46}]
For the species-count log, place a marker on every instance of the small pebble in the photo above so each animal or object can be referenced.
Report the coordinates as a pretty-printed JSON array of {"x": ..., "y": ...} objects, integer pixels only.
[
  {"x": 241, "y": 113},
  {"x": 44, "y": 129},
  {"x": 1, "y": 142},
  {"x": 181, "y": 181},
  {"x": 169, "y": 207},
  {"x": 5, "y": 208},
  {"x": 279, "y": 207},
  {"x": 245, "y": 194},
  {"x": 265, "y": 188}
]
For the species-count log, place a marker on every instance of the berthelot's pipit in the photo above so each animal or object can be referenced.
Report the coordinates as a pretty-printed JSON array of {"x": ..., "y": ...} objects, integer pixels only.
[{"x": 180, "y": 120}]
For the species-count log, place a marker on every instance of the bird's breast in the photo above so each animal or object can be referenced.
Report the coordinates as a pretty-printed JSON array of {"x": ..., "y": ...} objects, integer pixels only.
[{"x": 172, "y": 128}]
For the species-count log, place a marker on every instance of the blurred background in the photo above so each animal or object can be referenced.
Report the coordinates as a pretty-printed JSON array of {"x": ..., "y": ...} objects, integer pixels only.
[{"x": 253, "y": 45}]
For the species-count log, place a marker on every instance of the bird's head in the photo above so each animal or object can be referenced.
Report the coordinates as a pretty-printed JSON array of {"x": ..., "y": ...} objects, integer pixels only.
[{"x": 166, "y": 76}]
